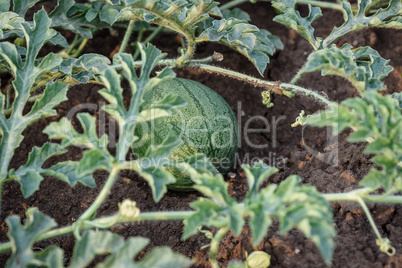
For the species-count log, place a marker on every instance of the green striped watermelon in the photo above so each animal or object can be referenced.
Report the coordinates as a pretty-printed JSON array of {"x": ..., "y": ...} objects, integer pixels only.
[{"x": 205, "y": 125}]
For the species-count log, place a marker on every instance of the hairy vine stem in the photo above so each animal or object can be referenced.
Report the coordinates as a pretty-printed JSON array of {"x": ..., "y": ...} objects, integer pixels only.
[
  {"x": 102, "y": 195},
  {"x": 127, "y": 36},
  {"x": 276, "y": 87}
]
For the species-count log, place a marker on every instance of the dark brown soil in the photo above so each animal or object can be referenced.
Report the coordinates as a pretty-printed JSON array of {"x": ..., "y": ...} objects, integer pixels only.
[{"x": 355, "y": 242}]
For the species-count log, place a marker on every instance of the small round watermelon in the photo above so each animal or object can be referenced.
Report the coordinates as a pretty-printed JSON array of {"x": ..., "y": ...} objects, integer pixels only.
[{"x": 205, "y": 125}]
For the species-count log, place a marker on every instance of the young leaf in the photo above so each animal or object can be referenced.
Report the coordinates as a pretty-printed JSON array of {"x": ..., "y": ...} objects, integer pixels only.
[
  {"x": 157, "y": 177},
  {"x": 98, "y": 157},
  {"x": 94, "y": 243},
  {"x": 160, "y": 109},
  {"x": 256, "y": 175},
  {"x": 123, "y": 257},
  {"x": 207, "y": 211},
  {"x": 194, "y": 164},
  {"x": 304, "y": 208},
  {"x": 296, "y": 206},
  {"x": 363, "y": 67},
  {"x": 179, "y": 16},
  {"x": 64, "y": 131},
  {"x": 29, "y": 175},
  {"x": 292, "y": 19},
  {"x": 164, "y": 257},
  {"x": 152, "y": 167},
  {"x": 388, "y": 17},
  {"x": 22, "y": 238},
  {"x": 87, "y": 67},
  {"x": 109, "y": 13},
  {"x": 221, "y": 210},
  {"x": 53, "y": 95},
  {"x": 68, "y": 172}
]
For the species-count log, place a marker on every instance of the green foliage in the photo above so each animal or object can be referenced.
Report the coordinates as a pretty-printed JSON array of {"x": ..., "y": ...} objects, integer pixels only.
[
  {"x": 91, "y": 244},
  {"x": 294, "y": 206},
  {"x": 43, "y": 82},
  {"x": 152, "y": 166},
  {"x": 75, "y": 23},
  {"x": 86, "y": 68},
  {"x": 377, "y": 120},
  {"x": 150, "y": 56},
  {"x": 257, "y": 45},
  {"x": 187, "y": 17},
  {"x": 363, "y": 66},
  {"x": 390, "y": 17},
  {"x": 384, "y": 17},
  {"x": 97, "y": 157},
  {"x": 292, "y": 19},
  {"x": 177, "y": 15},
  {"x": 26, "y": 72}
]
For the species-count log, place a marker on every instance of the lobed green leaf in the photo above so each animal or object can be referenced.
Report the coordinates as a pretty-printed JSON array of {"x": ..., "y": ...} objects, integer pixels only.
[
  {"x": 26, "y": 71},
  {"x": 257, "y": 45},
  {"x": 363, "y": 66},
  {"x": 292, "y": 19},
  {"x": 300, "y": 207},
  {"x": 389, "y": 17},
  {"x": 189, "y": 17},
  {"x": 22, "y": 238},
  {"x": 377, "y": 120}
]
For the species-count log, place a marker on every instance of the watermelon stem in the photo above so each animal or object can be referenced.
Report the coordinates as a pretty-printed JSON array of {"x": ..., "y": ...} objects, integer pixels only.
[{"x": 286, "y": 89}]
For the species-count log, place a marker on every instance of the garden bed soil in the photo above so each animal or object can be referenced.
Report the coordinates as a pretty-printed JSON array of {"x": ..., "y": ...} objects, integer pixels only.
[{"x": 355, "y": 241}]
